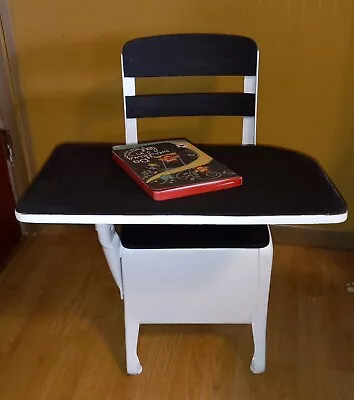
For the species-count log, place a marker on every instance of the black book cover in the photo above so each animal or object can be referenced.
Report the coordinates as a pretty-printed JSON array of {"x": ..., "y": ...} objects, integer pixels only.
[{"x": 172, "y": 164}]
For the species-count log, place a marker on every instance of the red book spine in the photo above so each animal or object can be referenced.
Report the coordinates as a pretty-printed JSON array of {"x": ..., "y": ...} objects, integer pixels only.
[{"x": 177, "y": 192}]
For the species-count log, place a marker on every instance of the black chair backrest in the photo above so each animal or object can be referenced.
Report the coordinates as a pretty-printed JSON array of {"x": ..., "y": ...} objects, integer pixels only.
[{"x": 191, "y": 55}]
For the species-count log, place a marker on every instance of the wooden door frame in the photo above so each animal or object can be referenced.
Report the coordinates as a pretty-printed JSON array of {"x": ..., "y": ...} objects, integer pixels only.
[{"x": 23, "y": 170}]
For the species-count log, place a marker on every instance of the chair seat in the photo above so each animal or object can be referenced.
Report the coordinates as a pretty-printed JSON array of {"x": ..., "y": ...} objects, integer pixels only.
[{"x": 194, "y": 236}]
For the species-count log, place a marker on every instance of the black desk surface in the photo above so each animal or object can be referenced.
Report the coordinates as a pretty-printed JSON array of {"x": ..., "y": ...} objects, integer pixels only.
[{"x": 82, "y": 179}]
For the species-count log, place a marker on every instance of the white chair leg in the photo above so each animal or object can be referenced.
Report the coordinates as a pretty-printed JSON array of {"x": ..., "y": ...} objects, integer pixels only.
[
  {"x": 259, "y": 329},
  {"x": 259, "y": 315},
  {"x": 111, "y": 245},
  {"x": 131, "y": 343}
]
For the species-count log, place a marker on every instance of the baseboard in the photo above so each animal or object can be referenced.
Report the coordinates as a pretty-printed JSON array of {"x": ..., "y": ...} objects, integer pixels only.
[{"x": 312, "y": 236}]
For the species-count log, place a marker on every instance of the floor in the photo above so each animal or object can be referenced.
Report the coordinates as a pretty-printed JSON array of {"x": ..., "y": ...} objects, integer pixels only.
[{"x": 61, "y": 332}]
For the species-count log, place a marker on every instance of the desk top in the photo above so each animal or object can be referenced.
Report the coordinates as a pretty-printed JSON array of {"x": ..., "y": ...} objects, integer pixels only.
[{"x": 80, "y": 183}]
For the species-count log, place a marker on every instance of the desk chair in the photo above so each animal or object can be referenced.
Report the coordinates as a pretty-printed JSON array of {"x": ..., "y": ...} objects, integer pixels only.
[{"x": 199, "y": 273}]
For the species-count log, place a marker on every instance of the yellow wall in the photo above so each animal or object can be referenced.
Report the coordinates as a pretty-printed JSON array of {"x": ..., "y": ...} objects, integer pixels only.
[{"x": 69, "y": 57}]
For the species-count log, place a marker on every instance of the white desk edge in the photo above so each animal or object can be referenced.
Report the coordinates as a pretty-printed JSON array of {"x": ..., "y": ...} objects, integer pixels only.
[{"x": 182, "y": 219}]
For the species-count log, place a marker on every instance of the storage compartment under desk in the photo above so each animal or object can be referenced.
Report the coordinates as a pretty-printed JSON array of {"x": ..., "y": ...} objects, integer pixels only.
[{"x": 190, "y": 285}]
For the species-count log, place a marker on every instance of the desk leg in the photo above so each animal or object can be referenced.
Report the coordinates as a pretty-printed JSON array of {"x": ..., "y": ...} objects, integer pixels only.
[
  {"x": 131, "y": 343},
  {"x": 111, "y": 245},
  {"x": 259, "y": 315}
]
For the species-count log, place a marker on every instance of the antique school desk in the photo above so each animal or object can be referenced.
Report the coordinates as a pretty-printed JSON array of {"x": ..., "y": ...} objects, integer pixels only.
[{"x": 81, "y": 184}]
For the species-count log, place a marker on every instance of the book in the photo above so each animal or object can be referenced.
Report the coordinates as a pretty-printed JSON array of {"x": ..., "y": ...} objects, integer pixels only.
[{"x": 170, "y": 169}]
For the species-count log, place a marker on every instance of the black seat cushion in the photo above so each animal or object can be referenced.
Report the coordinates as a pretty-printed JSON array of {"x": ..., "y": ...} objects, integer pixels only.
[{"x": 194, "y": 236}]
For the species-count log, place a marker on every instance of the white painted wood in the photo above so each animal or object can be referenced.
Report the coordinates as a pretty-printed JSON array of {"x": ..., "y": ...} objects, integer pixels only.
[
  {"x": 249, "y": 127},
  {"x": 196, "y": 286},
  {"x": 112, "y": 248},
  {"x": 248, "y": 130},
  {"x": 256, "y": 104},
  {"x": 256, "y": 99},
  {"x": 131, "y": 343},
  {"x": 131, "y": 126},
  {"x": 120, "y": 219},
  {"x": 131, "y": 136},
  {"x": 259, "y": 313},
  {"x": 249, "y": 123},
  {"x": 190, "y": 285},
  {"x": 250, "y": 84}
]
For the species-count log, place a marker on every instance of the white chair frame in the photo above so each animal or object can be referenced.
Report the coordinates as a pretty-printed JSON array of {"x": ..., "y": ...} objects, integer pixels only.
[{"x": 206, "y": 285}]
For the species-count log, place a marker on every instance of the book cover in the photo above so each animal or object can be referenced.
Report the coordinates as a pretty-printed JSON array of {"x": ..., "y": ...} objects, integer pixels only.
[{"x": 169, "y": 169}]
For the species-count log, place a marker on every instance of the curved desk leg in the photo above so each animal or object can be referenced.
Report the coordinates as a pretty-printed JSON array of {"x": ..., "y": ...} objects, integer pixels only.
[
  {"x": 259, "y": 315},
  {"x": 111, "y": 245},
  {"x": 131, "y": 343}
]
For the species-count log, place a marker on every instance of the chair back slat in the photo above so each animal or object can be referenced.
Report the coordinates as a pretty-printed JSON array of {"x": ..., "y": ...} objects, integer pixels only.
[
  {"x": 191, "y": 104},
  {"x": 190, "y": 55}
]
